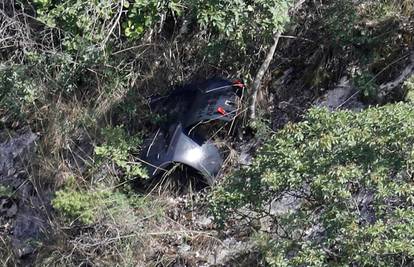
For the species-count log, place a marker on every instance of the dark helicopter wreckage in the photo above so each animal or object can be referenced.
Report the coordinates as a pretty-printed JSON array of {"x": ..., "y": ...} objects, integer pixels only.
[{"x": 183, "y": 138}]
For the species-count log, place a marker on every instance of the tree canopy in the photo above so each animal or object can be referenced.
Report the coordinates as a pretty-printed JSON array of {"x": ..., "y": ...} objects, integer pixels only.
[{"x": 350, "y": 175}]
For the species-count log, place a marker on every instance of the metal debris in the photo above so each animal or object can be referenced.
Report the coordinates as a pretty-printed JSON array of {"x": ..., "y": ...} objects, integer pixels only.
[{"x": 180, "y": 139}]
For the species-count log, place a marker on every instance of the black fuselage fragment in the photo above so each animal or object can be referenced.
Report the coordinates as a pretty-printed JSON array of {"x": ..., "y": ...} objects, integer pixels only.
[{"x": 178, "y": 139}]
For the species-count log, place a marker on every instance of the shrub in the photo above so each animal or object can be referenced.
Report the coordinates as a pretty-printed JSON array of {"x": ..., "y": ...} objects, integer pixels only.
[
  {"x": 117, "y": 226},
  {"x": 365, "y": 82},
  {"x": 5, "y": 191},
  {"x": 408, "y": 88},
  {"x": 118, "y": 148},
  {"x": 236, "y": 20},
  {"x": 98, "y": 205},
  {"x": 351, "y": 177},
  {"x": 78, "y": 205},
  {"x": 360, "y": 24},
  {"x": 233, "y": 19},
  {"x": 81, "y": 22},
  {"x": 354, "y": 38},
  {"x": 18, "y": 93},
  {"x": 143, "y": 14}
]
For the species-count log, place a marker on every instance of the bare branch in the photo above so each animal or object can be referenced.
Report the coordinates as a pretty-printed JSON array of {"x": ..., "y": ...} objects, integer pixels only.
[
  {"x": 116, "y": 22},
  {"x": 386, "y": 88},
  {"x": 260, "y": 74}
]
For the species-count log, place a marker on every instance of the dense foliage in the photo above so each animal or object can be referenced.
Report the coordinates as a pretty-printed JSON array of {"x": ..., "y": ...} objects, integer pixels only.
[
  {"x": 118, "y": 148},
  {"x": 409, "y": 89},
  {"x": 350, "y": 175},
  {"x": 335, "y": 189},
  {"x": 367, "y": 40},
  {"x": 234, "y": 20}
]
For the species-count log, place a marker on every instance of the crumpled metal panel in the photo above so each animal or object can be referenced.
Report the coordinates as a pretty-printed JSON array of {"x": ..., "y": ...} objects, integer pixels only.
[
  {"x": 186, "y": 108},
  {"x": 182, "y": 149}
]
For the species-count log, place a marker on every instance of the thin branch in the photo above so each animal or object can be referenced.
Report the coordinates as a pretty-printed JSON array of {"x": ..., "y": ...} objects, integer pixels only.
[
  {"x": 385, "y": 89},
  {"x": 115, "y": 23},
  {"x": 295, "y": 37}
]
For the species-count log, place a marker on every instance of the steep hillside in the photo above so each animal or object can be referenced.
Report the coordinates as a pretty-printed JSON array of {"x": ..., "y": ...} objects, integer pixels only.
[{"x": 317, "y": 163}]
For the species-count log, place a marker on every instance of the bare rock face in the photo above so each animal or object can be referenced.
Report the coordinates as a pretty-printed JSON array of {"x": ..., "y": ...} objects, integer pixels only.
[
  {"x": 8, "y": 208},
  {"x": 23, "y": 216},
  {"x": 344, "y": 96},
  {"x": 13, "y": 150},
  {"x": 234, "y": 253}
]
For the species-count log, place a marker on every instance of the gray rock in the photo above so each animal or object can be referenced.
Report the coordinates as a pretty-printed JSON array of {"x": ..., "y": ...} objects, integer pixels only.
[
  {"x": 22, "y": 251},
  {"x": 184, "y": 248},
  {"x": 287, "y": 203},
  {"x": 204, "y": 221},
  {"x": 344, "y": 96},
  {"x": 365, "y": 200},
  {"x": 8, "y": 207},
  {"x": 25, "y": 211},
  {"x": 13, "y": 149},
  {"x": 233, "y": 253},
  {"x": 12, "y": 211}
]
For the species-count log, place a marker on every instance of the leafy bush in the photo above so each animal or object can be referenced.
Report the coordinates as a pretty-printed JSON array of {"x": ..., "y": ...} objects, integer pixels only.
[
  {"x": 365, "y": 82},
  {"x": 81, "y": 22},
  {"x": 18, "y": 93},
  {"x": 118, "y": 147},
  {"x": 5, "y": 191},
  {"x": 96, "y": 205},
  {"x": 117, "y": 223},
  {"x": 340, "y": 21},
  {"x": 350, "y": 175},
  {"x": 236, "y": 20},
  {"x": 89, "y": 206},
  {"x": 70, "y": 72},
  {"x": 143, "y": 14},
  {"x": 78, "y": 205},
  {"x": 359, "y": 24},
  {"x": 408, "y": 88},
  {"x": 354, "y": 38}
]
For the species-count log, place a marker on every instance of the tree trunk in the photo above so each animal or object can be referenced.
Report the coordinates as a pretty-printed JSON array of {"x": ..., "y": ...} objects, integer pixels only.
[{"x": 260, "y": 74}]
